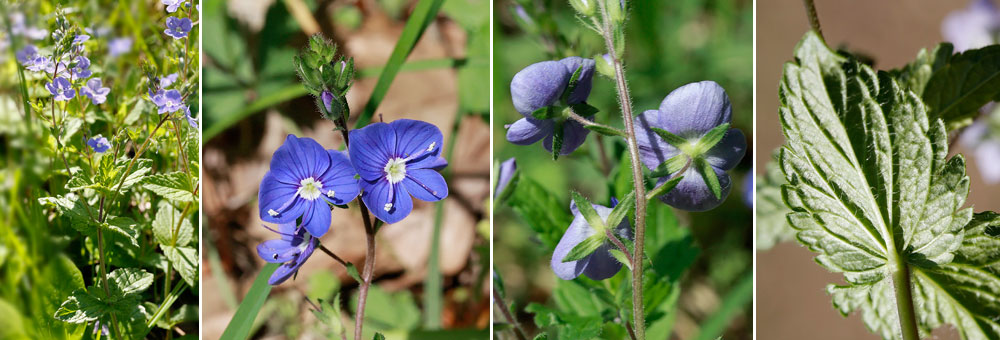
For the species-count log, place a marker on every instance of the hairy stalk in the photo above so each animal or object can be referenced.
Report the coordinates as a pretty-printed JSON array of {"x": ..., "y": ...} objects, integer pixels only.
[
  {"x": 586, "y": 122},
  {"x": 331, "y": 254},
  {"x": 904, "y": 296},
  {"x": 498, "y": 300},
  {"x": 369, "y": 269},
  {"x": 104, "y": 279},
  {"x": 625, "y": 101},
  {"x": 813, "y": 17},
  {"x": 618, "y": 243}
]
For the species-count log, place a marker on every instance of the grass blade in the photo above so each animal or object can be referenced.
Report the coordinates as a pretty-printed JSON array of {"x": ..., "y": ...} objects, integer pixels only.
[
  {"x": 239, "y": 327},
  {"x": 422, "y": 15},
  {"x": 734, "y": 302}
]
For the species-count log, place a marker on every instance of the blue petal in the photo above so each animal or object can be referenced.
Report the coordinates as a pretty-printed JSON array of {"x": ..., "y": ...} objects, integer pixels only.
[
  {"x": 728, "y": 153},
  {"x": 578, "y": 231},
  {"x": 316, "y": 218},
  {"x": 653, "y": 151},
  {"x": 289, "y": 269},
  {"x": 273, "y": 194},
  {"x": 507, "y": 170},
  {"x": 377, "y": 194},
  {"x": 426, "y": 185},
  {"x": 298, "y": 159},
  {"x": 692, "y": 194},
  {"x": 602, "y": 265},
  {"x": 417, "y": 137},
  {"x": 340, "y": 179},
  {"x": 527, "y": 131},
  {"x": 692, "y": 110},
  {"x": 371, "y": 149},
  {"x": 277, "y": 251},
  {"x": 586, "y": 80},
  {"x": 537, "y": 86},
  {"x": 574, "y": 134}
]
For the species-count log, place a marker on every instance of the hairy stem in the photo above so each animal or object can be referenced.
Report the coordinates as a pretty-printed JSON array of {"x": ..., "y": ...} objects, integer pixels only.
[
  {"x": 104, "y": 279},
  {"x": 904, "y": 298},
  {"x": 498, "y": 300},
  {"x": 625, "y": 101},
  {"x": 332, "y": 255},
  {"x": 618, "y": 243},
  {"x": 813, "y": 17}
]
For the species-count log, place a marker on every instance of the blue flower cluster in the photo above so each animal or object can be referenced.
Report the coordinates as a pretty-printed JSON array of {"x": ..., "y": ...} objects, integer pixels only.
[
  {"x": 542, "y": 85},
  {"x": 66, "y": 78},
  {"x": 386, "y": 163}
]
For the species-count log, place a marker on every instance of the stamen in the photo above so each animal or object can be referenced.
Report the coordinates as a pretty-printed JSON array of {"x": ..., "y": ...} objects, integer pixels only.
[
  {"x": 431, "y": 147},
  {"x": 387, "y": 207},
  {"x": 330, "y": 194},
  {"x": 272, "y": 212}
]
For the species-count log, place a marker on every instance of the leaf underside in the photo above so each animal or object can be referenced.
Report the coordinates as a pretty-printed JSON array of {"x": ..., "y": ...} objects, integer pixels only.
[{"x": 871, "y": 189}]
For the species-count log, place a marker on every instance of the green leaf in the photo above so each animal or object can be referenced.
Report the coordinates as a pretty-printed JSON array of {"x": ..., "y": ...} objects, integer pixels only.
[
  {"x": 60, "y": 278},
  {"x": 138, "y": 171},
  {"x": 872, "y": 192},
  {"x": 969, "y": 80},
  {"x": 420, "y": 18},
  {"x": 538, "y": 208},
  {"x": 711, "y": 179},
  {"x": 712, "y": 137},
  {"x": 124, "y": 282},
  {"x": 11, "y": 324},
  {"x": 185, "y": 261},
  {"x": 81, "y": 307},
  {"x": 620, "y": 211},
  {"x": 125, "y": 227},
  {"x": 586, "y": 247},
  {"x": 352, "y": 271},
  {"x": 587, "y": 210},
  {"x": 172, "y": 186},
  {"x": 917, "y": 73},
  {"x": 167, "y": 221},
  {"x": 379, "y": 336},
  {"x": 672, "y": 139},
  {"x": 395, "y": 311},
  {"x": 239, "y": 327},
  {"x": 772, "y": 227}
]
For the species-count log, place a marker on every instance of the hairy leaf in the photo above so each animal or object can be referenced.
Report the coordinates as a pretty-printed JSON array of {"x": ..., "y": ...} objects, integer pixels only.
[
  {"x": 185, "y": 261},
  {"x": 869, "y": 185},
  {"x": 169, "y": 228},
  {"x": 173, "y": 186},
  {"x": 969, "y": 80},
  {"x": 772, "y": 228}
]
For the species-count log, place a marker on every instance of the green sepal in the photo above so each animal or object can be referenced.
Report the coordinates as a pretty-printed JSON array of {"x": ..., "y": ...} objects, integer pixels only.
[
  {"x": 620, "y": 256},
  {"x": 671, "y": 166},
  {"x": 708, "y": 173},
  {"x": 621, "y": 210},
  {"x": 557, "y": 139},
  {"x": 584, "y": 109},
  {"x": 585, "y": 248},
  {"x": 605, "y": 130},
  {"x": 587, "y": 210},
  {"x": 545, "y": 112},
  {"x": 574, "y": 80},
  {"x": 713, "y": 137},
  {"x": 672, "y": 139},
  {"x": 665, "y": 188}
]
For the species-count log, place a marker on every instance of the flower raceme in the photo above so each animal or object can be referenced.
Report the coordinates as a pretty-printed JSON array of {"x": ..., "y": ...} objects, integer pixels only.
[
  {"x": 397, "y": 160},
  {"x": 600, "y": 264},
  {"x": 303, "y": 178},
  {"x": 542, "y": 85},
  {"x": 291, "y": 250},
  {"x": 675, "y": 135}
]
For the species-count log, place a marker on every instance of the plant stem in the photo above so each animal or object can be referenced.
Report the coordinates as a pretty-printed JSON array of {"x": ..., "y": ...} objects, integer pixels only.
[
  {"x": 625, "y": 101},
  {"x": 904, "y": 298},
  {"x": 104, "y": 279},
  {"x": 331, "y": 254},
  {"x": 813, "y": 17},
  {"x": 618, "y": 243},
  {"x": 498, "y": 300}
]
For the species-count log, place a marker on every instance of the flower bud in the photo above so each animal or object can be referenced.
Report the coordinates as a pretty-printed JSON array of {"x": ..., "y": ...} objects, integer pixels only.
[{"x": 616, "y": 10}]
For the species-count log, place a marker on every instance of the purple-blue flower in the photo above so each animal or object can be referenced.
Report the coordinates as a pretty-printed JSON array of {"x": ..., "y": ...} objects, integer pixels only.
[
  {"x": 985, "y": 145},
  {"x": 972, "y": 27},
  {"x": 178, "y": 28},
  {"x": 397, "y": 160},
  {"x": 540, "y": 85},
  {"x": 27, "y": 54},
  {"x": 191, "y": 120},
  {"x": 507, "y": 169},
  {"x": 303, "y": 178},
  {"x": 168, "y": 101},
  {"x": 119, "y": 46},
  {"x": 690, "y": 112},
  {"x": 172, "y": 5},
  {"x": 168, "y": 80},
  {"x": 37, "y": 63},
  {"x": 600, "y": 264},
  {"x": 291, "y": 250},
  {"x": 61, "y": 89},
  {"x": 82, "y": 68},
  {"x": 99, "y": 144},
  {"x": 80, "y": 38},
  {"x": 95, "y": 91},
  {"x": 748, "y": 190},
  {"x": 57, "y": 70}
]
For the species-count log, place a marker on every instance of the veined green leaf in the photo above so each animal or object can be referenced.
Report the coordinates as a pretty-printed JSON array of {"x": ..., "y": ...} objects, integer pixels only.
[
  {"x": 870, "y": 187},
  {"x": 957, "y": 90},
  {"x": 82, "y": 307},
  {"x": 917, "y": 73},
  {"x": 167, "y": 220},
  {"x": 173, "y": 186},
  {"x": 124, "y": 282},
  {"x": 185, "y": 261},
  {"x": 125, "y": 227},
  {"x": 772, "y": 228}
]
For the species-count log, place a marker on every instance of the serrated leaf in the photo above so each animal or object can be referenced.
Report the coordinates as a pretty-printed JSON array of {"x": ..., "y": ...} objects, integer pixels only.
[
  {"x": 538, "y": 208},
  {"x": 124, "y": 282},
  {"x": 772, "y": 227},
  {"x": 869, "y": 185},
  {"x": 125, "y": 227},
  {"x": 969, "y": 80},
  {"x": 81, "y": 307},
  {"x": 168, "y": 221},
  {"x": 585, "y": 248},
  {"x": 917, "y": 73},
  {"x": 185, "y": 261},
  {"x": 172, "y": 186}
]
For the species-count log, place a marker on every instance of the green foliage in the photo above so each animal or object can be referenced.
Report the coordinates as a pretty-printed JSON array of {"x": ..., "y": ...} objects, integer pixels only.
[
  {"x": 872, "y": 192},
  {"x": 772, "y": 227}
]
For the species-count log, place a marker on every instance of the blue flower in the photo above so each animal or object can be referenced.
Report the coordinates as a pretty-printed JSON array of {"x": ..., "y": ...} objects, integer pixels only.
[
  {"x": 95, "y": 91},
  {"x": 172, "y": 5},
  {"x": 972, "y": 27},
  {"x": 27, "y": 54},
  {"x": 168, "y": 80},
  {"x": 57, "y": 70},
  {"x": 60, "y": 88},
  {"x": 191, "y": 120},
  {"x": 542, "y": 84},
  {"x": 119, "y": 46},
  {"x": 396, "y": 160},
  {"x": 291, "y": 250},
  {"x": 507, "y": 169},
  {"x": 82, "y": 68},
  {"x": 38, "y": 63},
  {"x": 690, "y": 112},
  {"x": 168, "y": 101},
  {"x": 303, "y": 178},
  {"x": 99, "y": 144},
  {"x": 178, "y": 28},
  {"x": 748, "y": 190},
  {"x": 80, "y": 38},
  {"x": 600, "y": 264}
]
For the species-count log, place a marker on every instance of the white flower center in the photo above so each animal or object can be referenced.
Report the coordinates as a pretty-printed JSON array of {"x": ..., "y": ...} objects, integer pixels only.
[
  {"x": 395, "y": 170},
  {"x": 310, "y": 188}
]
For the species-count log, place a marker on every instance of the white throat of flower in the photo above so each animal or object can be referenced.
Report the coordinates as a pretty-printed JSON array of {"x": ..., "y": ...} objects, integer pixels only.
[
  {"x": 395, "y": 170},
  {"x": 310, "y": 189}
]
